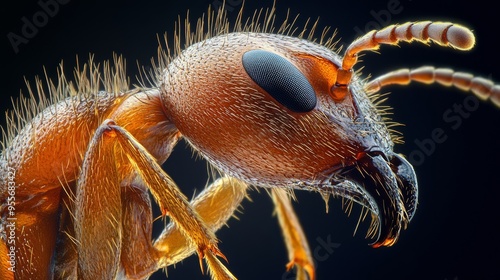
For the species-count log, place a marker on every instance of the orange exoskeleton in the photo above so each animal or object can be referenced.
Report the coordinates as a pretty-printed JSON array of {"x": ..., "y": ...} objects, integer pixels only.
[{"x": 265, "y": 109}]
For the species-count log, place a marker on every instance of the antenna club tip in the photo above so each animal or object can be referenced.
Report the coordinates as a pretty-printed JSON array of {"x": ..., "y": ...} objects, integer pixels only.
[{"x": 461, "y": 37}]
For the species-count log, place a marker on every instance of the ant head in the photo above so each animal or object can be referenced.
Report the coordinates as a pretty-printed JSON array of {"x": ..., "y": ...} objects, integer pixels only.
[
  {"x": 278, "y": 111},
  {"x": 261, "y": 106}
]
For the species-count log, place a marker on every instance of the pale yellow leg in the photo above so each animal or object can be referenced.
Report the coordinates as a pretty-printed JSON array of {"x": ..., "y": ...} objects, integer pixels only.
[
  {"x": 295, "y": 239},
  {"x": 215, "y": 205}
]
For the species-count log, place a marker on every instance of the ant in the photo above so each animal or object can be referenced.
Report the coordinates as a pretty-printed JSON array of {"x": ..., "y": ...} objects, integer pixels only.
[{"x": 265, "y": 109}]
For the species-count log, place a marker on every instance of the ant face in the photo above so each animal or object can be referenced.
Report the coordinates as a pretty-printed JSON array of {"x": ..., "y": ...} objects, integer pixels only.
[{"x": 263, "y": 108}]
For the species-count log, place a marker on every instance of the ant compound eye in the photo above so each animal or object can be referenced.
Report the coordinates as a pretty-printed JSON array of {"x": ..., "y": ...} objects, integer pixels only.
[{"x": 281, "y": 79}]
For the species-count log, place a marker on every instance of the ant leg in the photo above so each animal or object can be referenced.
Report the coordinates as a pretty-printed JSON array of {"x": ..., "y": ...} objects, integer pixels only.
[
  {"x": 295, "y": 239},
  {"x": 114, "y": 146},
  {"x": 98, "y": 210},
  {"x": 137, "y": 226},
  {"x": 216, "y": 204}
]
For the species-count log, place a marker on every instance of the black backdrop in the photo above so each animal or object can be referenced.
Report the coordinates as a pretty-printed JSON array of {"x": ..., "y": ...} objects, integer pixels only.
[{"x": 453, "y": 235}]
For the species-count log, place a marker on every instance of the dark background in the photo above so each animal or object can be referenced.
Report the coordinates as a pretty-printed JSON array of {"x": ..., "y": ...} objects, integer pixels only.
[{"x": 454, "y": 233}]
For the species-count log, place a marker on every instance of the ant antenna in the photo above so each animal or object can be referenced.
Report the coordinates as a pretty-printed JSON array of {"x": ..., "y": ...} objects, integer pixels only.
[{"x": 443, "y": 33}]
